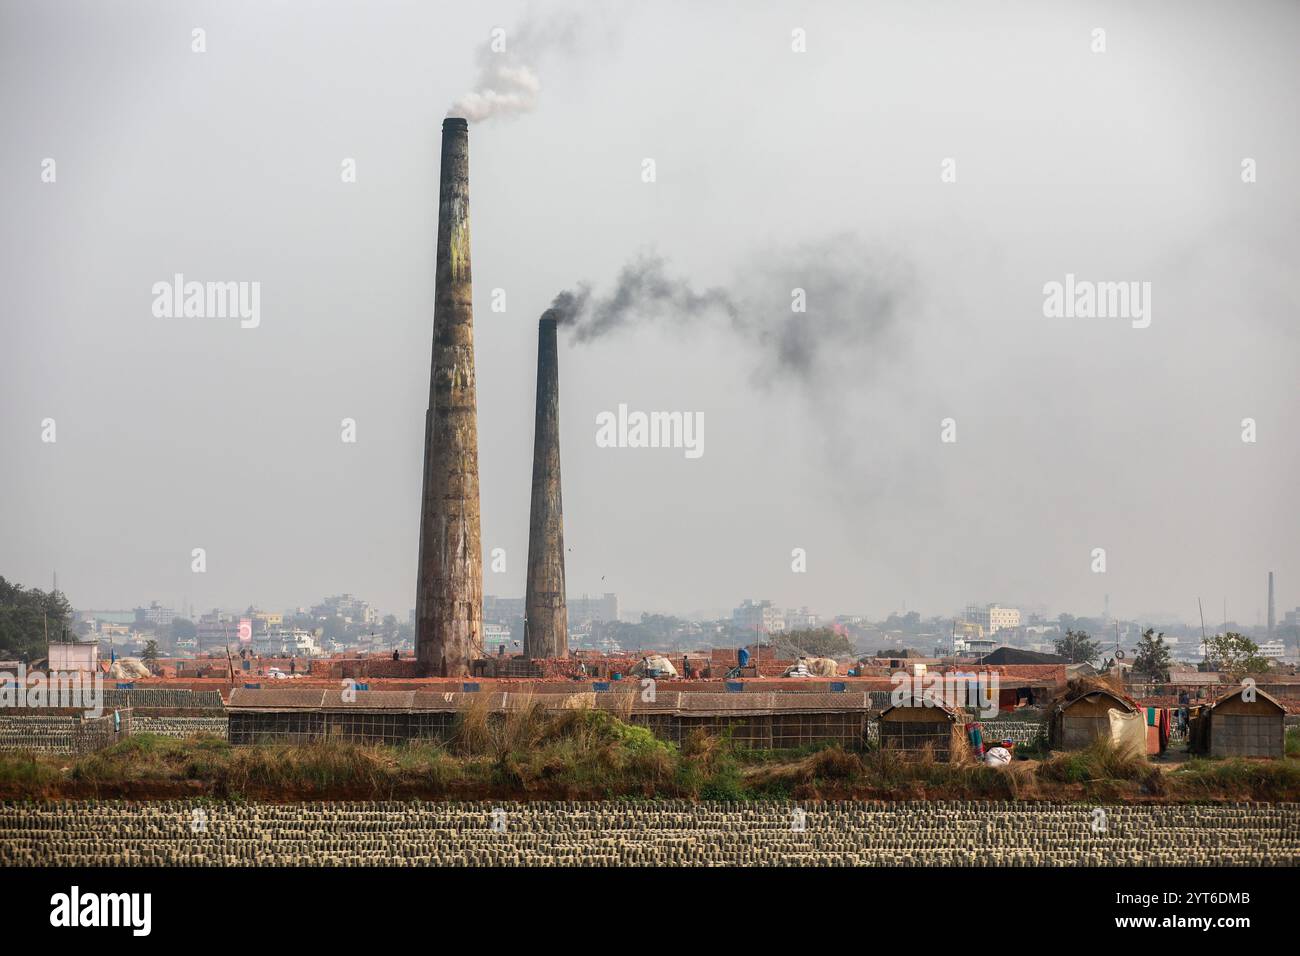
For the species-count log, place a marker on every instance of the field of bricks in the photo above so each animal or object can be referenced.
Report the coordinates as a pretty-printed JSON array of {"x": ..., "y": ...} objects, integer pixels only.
[{"x": 678, "y": 833}]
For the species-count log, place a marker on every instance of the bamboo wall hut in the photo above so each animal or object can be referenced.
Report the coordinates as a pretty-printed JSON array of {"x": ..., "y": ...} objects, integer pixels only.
[
  {"x": 918, "y": 724},
  {"x": 1235, "y": 727},
  {"x": 1089, "y": 711}
]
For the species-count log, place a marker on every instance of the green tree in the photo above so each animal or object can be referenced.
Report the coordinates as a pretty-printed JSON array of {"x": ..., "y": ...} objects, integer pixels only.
[
  {"x": 1077, "y": 647},
  {"x": 27, "y": 615},
  {"x": 150, "y": 654},
  {"x": 1235, "y": 655},
  {"x": 818, "y": 642},
  {"x": 1152, "y": 659}
]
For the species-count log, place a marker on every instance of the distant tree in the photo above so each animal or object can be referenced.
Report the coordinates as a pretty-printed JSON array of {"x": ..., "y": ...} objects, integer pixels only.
[
  {"x": 1235, "y": 655},
  {"x": 818, "y": 642},
  {"x": 182, "y": 629},
  {"x": 1291, "y": 636},
  {"x": 335, "y": 629},
  {"x": 662, "y": 628},
  {"x": 27, "y": 615},
  {"x": 1077, "y": 647},
  {"x": 1152, "y": 659},
  {"x": 907, "y": 623},
  {"x": 150, "y": 654}
]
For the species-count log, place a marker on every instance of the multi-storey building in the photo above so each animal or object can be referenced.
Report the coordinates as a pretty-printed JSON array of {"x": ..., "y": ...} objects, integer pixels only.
[
  {"x": 585, "y": 609},
  {"x": 800, "y": 620},
  {"x": 582, "y": 610},
  {"x": 155, "y": 615},
  {"x": 993, "y": 618},
  {"x": 758, "y": 617}
]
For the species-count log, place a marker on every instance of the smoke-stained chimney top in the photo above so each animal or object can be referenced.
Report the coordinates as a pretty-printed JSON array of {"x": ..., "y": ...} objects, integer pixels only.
[
  {"x": 550, "y": 315},
  {"x": 455, "y": 122}
]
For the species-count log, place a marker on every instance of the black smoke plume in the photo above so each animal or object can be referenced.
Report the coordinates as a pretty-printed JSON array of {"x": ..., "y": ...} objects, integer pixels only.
[{"x": 853, "y": 298}]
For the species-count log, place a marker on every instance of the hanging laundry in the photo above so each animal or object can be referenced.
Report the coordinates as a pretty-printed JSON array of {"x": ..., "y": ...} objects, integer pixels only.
[{"x": 976, "y": 733}]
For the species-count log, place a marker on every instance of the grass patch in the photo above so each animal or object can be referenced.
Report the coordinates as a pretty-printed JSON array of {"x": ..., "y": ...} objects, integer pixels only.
[
  {"x": 1100, "y": 760},
  {"x": 587, "y": 751},
  {"x": 1036, "y": 749},
  {"x": 592, "y": 754},
  {"x": 1235, "y": 778},
  {"x": 27, "y": 772}
]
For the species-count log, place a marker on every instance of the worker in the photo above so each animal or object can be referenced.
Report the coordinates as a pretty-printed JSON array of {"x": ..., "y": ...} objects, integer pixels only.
[
  {"x": 395, "y": 655},
  {"x": 742, "y": 656}
]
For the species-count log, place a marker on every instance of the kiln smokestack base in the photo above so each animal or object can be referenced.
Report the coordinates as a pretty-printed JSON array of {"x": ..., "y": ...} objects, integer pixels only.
[
  {"x": 546, "y": 631},
  {"x": 449, "y": 580}
]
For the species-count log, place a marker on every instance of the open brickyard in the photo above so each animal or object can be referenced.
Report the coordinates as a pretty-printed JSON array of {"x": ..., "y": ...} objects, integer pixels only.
[
  {"x": 962, "y": 833},
  {"x": 670, "y": 833}
]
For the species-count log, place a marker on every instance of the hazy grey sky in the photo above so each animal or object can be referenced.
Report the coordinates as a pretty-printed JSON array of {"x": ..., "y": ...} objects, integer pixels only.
[{"x": 774, "y": 169}]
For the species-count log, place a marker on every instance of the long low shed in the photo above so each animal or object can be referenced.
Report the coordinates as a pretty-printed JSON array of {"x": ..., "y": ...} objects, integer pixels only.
[{"x": 758, "y": 721}]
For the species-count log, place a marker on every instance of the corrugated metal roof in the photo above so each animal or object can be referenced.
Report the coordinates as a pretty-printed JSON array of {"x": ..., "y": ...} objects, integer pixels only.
[
  {"x": 295, "y": 699},
  {"x": 927, "y": 701},
  {"x": 368, "y": 699},
  {"x": 435, "y": 701},
  {"x": 773, "y": 703}
]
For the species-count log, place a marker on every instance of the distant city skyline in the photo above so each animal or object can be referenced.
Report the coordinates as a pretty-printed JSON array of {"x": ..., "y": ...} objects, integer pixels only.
[{"x": 1212, "y": 623}]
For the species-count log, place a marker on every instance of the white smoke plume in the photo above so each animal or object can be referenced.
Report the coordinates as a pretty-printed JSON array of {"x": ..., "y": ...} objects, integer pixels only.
[
  {"x": 508, "y": 84},
  {"x": 502, "y": 88}
]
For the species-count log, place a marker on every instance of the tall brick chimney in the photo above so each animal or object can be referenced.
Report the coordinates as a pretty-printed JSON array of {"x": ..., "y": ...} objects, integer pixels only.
[
  {"x": 546, "y": 628},
  {"x": 1272, "y": 613},
  {"x": 449, "y": 585}
]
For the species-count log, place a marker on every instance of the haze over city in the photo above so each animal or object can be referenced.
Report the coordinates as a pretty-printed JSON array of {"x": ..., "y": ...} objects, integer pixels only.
[{"x": 925, "y": 302}]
